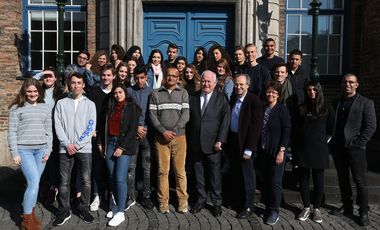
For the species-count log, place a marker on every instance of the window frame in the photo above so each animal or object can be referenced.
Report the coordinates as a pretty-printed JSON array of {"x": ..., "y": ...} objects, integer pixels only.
[
  {"x": 27, "y": 8},
  {"x": 343, "y": 12}
]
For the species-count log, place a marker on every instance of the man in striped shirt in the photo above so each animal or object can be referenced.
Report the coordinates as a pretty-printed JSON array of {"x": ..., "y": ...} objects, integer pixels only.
[{"x": 169, "y": 113}]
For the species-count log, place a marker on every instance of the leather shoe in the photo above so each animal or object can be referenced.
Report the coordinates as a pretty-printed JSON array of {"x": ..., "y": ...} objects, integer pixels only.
[
  {"x": 342, "y": 210},
  {"x": 363, "y": 219},
  {"x": 217, "y": 211},
  {"x": 245, "y": 213},
  {"x": 197, "y": 208}
]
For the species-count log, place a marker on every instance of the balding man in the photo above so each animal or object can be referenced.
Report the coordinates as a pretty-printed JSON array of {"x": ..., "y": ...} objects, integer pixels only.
[
  {"x": 169, "y": 113},
  {"x": 245, "y": 130},
  {"x": 208, "y": 129},
  {"x": 354, "y": 127}
]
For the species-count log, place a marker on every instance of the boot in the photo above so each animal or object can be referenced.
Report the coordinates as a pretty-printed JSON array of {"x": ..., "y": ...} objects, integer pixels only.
[
  {"x": 27, "y": 222},
  {"x": 36, "y": 221}
]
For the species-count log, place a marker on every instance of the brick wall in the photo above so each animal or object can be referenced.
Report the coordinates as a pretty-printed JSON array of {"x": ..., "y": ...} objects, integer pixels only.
[
  {"x": 10, "y": 40},
  {"x": 91, "y": 26},
  {"x": 365, "y": 59}
]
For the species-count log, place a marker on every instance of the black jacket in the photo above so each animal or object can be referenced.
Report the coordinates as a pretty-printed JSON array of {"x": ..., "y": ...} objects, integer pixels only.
[{"x": 128, "y": 128}]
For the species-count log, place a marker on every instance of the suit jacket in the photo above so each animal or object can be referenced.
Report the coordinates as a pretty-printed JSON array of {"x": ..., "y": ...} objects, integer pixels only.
[
  {"x": 204, "y": 131},
  {"x": 250, "y": 121},
  {"x": 361, "y": 122}
]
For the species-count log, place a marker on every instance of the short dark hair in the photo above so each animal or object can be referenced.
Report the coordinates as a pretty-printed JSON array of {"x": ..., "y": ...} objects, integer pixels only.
[
  {"x": 239, "y": 47},
  {"x": 85, "y": 52},
  {"x": 280, "y": 65},
  {"x": 173, "y": 46},
  {"x": 269, "y": 40},
  {"x": 140, "y": 70},
  {"x": 295, "y": 52},
  {"x": 77, "y": 75},
  {"x": 351, "y": 75},
  {"x": 108, "y": 66},
  {"x": 276, "y": 86}
]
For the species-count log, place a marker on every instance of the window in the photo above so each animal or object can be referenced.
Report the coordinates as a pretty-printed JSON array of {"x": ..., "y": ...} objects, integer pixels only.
[
  {"x": 40, "y": 26},
  {"x": 330, "y": 34}
]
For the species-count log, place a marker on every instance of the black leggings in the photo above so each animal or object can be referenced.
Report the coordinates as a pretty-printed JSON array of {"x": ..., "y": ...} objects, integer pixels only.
[{"x": 318, "y": 182}]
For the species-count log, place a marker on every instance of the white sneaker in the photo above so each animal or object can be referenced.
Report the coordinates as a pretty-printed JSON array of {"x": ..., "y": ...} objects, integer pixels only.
[
  {"x": 94, "y": 206},
  {"x": 304, "y": 214},
  {"x": 113, "y": 207},
  {"x": 117, "y": 219}
]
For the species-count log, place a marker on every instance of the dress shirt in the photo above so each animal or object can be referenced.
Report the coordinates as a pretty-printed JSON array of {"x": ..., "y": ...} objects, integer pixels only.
[
  {"x": 203, "y": 97},
  {"x": 235, "y": 114}
]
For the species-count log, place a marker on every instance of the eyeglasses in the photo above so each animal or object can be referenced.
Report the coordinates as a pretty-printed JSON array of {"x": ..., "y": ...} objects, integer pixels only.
[
  {"x": 82, "y": 58},
  {"x": 272, "y": 92}
]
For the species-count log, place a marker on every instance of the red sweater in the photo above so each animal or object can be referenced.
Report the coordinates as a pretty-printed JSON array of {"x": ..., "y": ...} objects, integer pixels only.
[{"x": 115, "y": 119}]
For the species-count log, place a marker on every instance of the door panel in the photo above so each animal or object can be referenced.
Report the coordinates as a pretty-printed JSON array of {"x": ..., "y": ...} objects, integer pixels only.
[{"x": 188, "y": 27}]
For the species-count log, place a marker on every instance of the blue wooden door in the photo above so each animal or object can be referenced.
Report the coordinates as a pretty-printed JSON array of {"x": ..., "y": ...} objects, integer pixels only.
[{"x": 188, "y": 27}]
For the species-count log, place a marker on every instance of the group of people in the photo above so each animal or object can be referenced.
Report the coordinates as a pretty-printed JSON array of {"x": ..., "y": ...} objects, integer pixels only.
[{"x": 216, "y": 120}]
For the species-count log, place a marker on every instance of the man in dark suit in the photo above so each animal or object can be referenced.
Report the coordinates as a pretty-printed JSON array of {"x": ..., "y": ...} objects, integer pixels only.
[
  {"x": 355, "y": 125},
  {"x": 245, "y": 129},
  {"x": 209, "y": 123}
]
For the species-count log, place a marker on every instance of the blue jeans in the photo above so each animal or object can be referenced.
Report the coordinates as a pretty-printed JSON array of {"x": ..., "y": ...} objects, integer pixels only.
[
  {"x": 32, "y": 168},
  {"x": 118, "y": 171}
]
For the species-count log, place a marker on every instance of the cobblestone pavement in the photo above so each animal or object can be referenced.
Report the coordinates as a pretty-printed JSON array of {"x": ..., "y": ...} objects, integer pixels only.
[{"x": 139, "y": 218}]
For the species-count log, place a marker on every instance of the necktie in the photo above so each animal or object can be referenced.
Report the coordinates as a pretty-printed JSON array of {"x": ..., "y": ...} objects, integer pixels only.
[{"x": 204, "y": 104}]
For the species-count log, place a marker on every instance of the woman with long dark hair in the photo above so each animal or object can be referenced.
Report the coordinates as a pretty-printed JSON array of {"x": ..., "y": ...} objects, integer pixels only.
[
  {"x": 200, "y": 59},
  {"x": 135, "y": 51},
  {"x": 215, "y": 53},
  {"x": 313, "y": 129},
  {"x": 117, "y": 55},
  {"x": 120, "y": 143},
  {"x": 155, "y": 69},
  {"x": 30, "y": 140}
]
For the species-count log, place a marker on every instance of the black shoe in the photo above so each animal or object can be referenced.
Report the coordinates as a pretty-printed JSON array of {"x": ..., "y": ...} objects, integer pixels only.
[
  {"x": 245, "y": 213},
  {"x": 217, "y": 211},
  {"x": 363, "y": 219},
  {"x": 62, "y": 217},
  {"x": 272, "y": 218},
  {"x": 86, "y": 216},
  {"x": 147, "y": 203},
  {"x": 342, "y": 211},
  {"x": 197, "y": 208}
]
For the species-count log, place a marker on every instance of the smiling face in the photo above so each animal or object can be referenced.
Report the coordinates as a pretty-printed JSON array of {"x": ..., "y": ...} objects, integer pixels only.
[
  {"x": 250, "y": 53},
  {"x": 107, "y": 77},
  {"x": 241, "y": 85},
  {"x": 270, "y": 47},
  {"x": 189, "y": 74},
  {"x": 181, "y": 65},
  {"x": 102, "y": 60},
  {"x": 220, "y": 69},
  {"x": 281, "y": 74},
  {"x": 49, "y": 79},
  {"x": 349, "y": 85},
  {"x": 82, "y": 59},
  {"x": 119, "y": 94},
  {"x": 172, "y": 77},
  {"x": 123, "y": 72},
  {"x": 239, "y": 56},
  {"x": 31, "y": 94},
  {"x": 208, "y": 82},
  {"x": 156, "y": 59},
  {"x": 271, "y": 95},
  {"x": 311, "y": 92}
]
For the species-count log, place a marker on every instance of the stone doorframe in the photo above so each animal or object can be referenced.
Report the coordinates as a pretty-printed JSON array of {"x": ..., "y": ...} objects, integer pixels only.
[{"x": 254, "y": 20}]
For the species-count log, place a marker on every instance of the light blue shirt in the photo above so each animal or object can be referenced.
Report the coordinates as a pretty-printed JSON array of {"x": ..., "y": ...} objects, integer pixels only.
[{"x": 235, "y": 114}]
